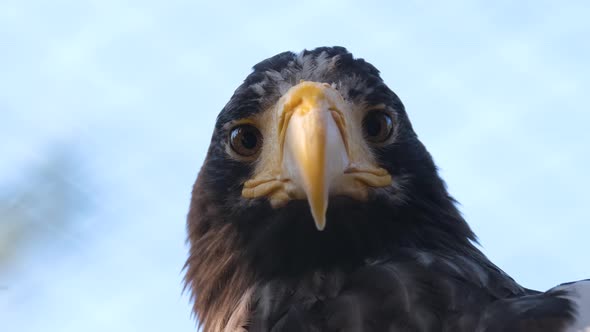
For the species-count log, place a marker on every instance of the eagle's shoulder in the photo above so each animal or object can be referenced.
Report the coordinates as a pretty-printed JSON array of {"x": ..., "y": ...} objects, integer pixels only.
[{"x": 413, "y": 290}]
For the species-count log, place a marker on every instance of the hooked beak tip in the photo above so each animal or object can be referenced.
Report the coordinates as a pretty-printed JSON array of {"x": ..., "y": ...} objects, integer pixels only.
[{"x": 320, "y": 221}]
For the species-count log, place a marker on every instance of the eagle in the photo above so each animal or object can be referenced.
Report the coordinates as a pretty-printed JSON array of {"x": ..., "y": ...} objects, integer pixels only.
[{"x": 317, "y": 208}]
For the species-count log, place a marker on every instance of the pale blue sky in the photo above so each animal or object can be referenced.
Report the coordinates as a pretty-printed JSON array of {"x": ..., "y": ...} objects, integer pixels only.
[{"x": 498, "y": 92}]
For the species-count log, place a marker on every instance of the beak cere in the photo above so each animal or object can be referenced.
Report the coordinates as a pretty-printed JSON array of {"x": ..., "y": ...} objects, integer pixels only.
[{"x": 314, "y": 152}]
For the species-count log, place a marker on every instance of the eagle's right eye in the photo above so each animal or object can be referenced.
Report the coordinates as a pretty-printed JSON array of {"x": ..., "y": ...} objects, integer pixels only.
[{"x": 245, "y": 140}]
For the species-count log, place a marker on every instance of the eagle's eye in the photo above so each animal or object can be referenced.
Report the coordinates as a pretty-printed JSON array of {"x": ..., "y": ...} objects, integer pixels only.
[
  {"x": 377, "y": 126},
  {"x": 245, "y": 140}
]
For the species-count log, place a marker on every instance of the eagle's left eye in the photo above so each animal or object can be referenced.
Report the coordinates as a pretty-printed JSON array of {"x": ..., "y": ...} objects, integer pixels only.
[
  {"x": 245, "y": 140},
  {"x": 377, "y": 126}
]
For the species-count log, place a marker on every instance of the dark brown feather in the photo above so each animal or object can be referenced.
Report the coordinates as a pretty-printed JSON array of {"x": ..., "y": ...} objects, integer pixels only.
[{"x": 214, "y": 266}]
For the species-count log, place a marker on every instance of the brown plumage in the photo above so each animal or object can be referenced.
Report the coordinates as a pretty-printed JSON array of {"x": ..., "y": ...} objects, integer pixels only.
[{"x": 214, "y": 267}]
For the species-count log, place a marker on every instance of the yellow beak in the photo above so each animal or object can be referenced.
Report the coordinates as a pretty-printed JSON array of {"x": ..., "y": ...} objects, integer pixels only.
[{"x": 314, "y": 150}]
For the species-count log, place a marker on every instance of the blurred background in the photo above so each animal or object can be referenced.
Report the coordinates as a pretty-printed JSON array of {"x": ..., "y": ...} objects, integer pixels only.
[{"x": 107, "y": 106}]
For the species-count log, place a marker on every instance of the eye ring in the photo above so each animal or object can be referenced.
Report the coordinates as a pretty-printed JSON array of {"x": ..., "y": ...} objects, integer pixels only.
[
  {"x": 377, "y": 126},
  {"x": 245, "y": 140}
]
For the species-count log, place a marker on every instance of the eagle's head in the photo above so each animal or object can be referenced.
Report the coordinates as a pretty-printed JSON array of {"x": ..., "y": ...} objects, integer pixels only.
[{"x": 313, "y": 164}]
